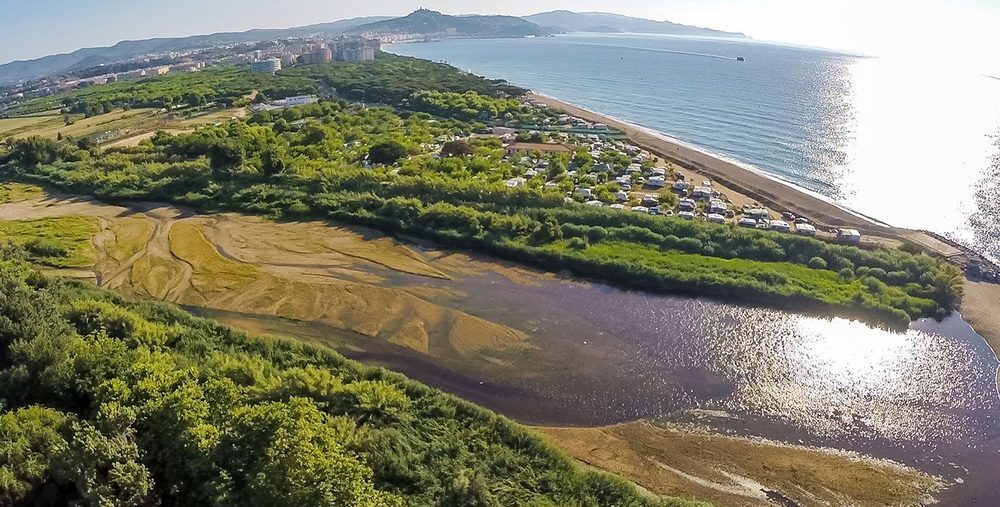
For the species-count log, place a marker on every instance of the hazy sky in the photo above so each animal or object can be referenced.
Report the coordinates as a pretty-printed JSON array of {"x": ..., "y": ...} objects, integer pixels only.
[{"x": 33, "y": 28}]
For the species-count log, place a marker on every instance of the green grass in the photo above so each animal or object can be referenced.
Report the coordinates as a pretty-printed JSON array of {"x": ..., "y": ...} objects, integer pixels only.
[
  {"x": 63, "y": 242},
  {"x": 756, "y": 281},
  {"x": 17, "y": 192}
]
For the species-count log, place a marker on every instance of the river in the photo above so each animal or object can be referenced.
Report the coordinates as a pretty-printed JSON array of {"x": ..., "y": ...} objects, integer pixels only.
[{"x": 927, "y": 397}]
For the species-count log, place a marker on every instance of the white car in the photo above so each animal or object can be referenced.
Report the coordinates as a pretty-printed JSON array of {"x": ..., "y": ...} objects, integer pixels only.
[
  {"x": 805, "y": 230},
  {"x": 780, "y": 226}
]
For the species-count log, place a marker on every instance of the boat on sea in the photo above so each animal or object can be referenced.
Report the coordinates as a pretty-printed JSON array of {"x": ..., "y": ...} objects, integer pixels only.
[{"x": 740, "y": 59}]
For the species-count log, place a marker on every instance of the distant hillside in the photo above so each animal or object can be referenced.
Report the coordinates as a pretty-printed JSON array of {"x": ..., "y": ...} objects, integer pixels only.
[
  {"x": 427, "y": 22},
  {"x": 91, "y": 57},
  {"x": 614, "y": 23}
]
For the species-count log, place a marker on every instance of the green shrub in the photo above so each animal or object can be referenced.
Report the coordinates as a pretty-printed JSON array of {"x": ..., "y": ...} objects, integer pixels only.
[
  {"x": 43, "y": 247},
  {"x": 817, "y": 263}
]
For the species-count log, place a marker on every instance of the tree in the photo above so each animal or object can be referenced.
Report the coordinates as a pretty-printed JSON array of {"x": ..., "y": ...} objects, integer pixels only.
[
  {"x": 457, "y": 149},
  {"x": 272, "y": 163},
  {"x": 226, "y": 154},
  {"x": 386, "y": 153},
  {"x": 32, "y": 437}
]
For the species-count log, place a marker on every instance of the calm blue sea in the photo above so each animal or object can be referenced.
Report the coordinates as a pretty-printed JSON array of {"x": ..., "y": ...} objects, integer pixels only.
[{"x": 911, "y": 143}]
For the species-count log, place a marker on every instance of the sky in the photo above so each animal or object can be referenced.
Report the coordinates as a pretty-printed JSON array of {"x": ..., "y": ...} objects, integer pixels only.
[{"x": 35, "y": 28}]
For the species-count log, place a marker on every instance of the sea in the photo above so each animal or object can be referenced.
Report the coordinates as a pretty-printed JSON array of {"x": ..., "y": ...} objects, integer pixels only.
[{"x": 909, "y": 142}]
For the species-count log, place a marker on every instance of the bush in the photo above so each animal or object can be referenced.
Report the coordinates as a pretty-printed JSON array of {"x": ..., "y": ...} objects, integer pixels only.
[
  {"x": 846, "y": 274},
  {"x": 817, "y": 263},
  {"x": 386, "y": 153},
  {"x": 42, "y": 247},
  {"x": 578, "y": 243}
]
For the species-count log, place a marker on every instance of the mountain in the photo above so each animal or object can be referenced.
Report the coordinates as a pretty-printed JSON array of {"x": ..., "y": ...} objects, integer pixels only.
[
  {"x": 568, "y": 21},
  {"x": 427, "y": 22},
  {"x": 90, "y": 57}
]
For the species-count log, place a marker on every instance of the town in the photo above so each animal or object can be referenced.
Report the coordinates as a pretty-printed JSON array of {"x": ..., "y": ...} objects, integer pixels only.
[{"x": 261, "y": 57}]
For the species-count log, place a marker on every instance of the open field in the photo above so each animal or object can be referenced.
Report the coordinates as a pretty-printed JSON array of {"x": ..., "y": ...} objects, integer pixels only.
[
  {"x": 134, "y": 124},
  {"x": 10, "y": 127},
  {"x": 740, "y": 471},
  {"x": 51, "y": 126}
]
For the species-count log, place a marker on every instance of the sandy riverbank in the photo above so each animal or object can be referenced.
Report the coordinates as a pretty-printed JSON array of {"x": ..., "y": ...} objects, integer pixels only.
[
  {"x": 979, "y": 308},
  {"x": 729, "y": 470}
]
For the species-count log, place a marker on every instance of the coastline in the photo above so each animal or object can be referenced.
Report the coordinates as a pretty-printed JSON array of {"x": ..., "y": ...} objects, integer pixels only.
[
  {"x": 777, "y": 194},
  {"x": 781, "y": 196}
]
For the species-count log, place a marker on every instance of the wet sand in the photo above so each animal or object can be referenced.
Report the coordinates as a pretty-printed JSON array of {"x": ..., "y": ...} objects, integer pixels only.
[
  {"x": 687, "y": 462},
  {"x": 980, "y": 307}
]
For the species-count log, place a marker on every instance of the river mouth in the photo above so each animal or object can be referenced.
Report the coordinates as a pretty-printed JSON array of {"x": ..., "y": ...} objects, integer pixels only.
[
  {"x": 550, "y": 350},
  {"x": 600, "y": 356}
]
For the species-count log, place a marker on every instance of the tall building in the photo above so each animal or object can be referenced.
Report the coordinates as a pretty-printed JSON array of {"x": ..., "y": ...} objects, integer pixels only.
[
  {"x": 324, "y": 55},
  {"x": 361, "y": 54},
  {"x": 268, "y": 66}
]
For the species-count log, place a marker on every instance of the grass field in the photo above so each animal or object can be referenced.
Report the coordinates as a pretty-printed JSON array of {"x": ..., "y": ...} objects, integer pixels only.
[
  {"x": 675, "y": 269},
  {"x": 64, "y": 242},
  {"x": 131, "y": 235},
  {"x": 10, "y": 127},
  {"x": 16, "y": 192},
  {"x": 134, "y": 122}
]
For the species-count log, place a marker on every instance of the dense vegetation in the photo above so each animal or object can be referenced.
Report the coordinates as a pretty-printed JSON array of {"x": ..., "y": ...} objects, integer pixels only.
[
  {"x": 382, "y": 168},
  {"x": 391, "y": 79},
  {"x": 223, "y": 86},
  {"x": 107, "y": 401}
]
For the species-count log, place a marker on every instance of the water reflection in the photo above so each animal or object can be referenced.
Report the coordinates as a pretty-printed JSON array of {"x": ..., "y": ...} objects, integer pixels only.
[
  {"x": 845, "y": 380},
  {"x": 927, "y": 396}
]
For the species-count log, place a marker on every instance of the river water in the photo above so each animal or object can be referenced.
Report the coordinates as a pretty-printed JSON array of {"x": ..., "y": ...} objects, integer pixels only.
[{"x": 927, "y": 397}]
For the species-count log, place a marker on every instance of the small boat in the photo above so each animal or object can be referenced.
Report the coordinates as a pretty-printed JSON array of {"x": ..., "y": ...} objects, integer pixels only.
[{"x": 740, "y": 59}]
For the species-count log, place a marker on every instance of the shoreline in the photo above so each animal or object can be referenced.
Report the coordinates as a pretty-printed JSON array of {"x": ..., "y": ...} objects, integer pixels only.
[
  {"x": 755, "y": 184},
  {"x": 782, "y": 196}
]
